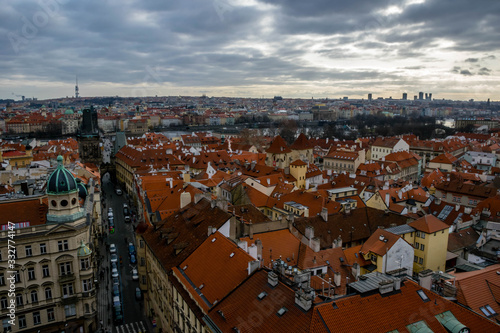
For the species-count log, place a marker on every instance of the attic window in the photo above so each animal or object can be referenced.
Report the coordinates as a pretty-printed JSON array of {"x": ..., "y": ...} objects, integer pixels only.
[
  {"x": 282, "y": 311},
  {"x": 231, "y": 255},
  {"x": 213, "y": 239},
  {"x": 423, "y": 296},
  {"x": 262, "y": 295},
  {"x": 490, "y": 309},
  {"x": 185, "y": 267},
  {"x": 201, "y": 286}
]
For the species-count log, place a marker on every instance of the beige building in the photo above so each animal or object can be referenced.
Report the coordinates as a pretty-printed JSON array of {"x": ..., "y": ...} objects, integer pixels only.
[{"x": 53, "y": 267}]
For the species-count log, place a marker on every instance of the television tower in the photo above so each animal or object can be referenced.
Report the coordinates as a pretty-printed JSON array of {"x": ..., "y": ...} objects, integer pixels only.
[{"x": 76, "y": 88}]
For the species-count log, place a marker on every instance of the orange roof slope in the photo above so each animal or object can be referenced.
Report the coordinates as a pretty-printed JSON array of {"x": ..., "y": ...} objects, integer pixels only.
[
  {"x": 215, "y": 268},
  {"x": 446, "y": 158},
  {"x": 479, "y": 288},
  {"x": 278, "y": 146},
  {"x": 242, "y": 311},
  {"x": 379, "y": 242},
  {"x": 377, "y": 313},
  {"x": 33, "y": 211},
  {"x": 428, "y": 224},
  {"x": 281, "y": 244}
]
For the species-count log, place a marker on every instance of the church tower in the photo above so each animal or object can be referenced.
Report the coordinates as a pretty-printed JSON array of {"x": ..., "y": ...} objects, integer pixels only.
[{"x": 88, "y": 138}]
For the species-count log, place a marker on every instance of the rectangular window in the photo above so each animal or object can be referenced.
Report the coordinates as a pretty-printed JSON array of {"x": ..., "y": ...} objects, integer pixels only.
[
  {"x": 415, "y": 259},
  {"x": 2, "y": 279},
  {"x": 17, "y": 276},
  {"x": 420, "y": 261},
  {"x": 43, "y": 248},
  {"x": 84, "y": 264},
  {"x": 63, "y": 245},
  {"x": 29, "y": 253},
  {"x": 67, "y": 290},
  {"x": 417, "y": 245},
  {"x": 19, "y": 299},
  {"x": 22, "y": 321},
  {"x": 87, "y": 285},
  {"x": 45, "y": 270},
  {"x": 36, "y": 318},
  {"x": 422, "y": 235},
  {"x": 141, "y": 244},
  {"x": 31, "y": 273},
  {"x": 50, "y": 315},
  {"x": 65, "y": 268},
  {"x": 422, "y": 246},
  {"x": 70, "y": 310},
  {"x": 143, "y": 261},
  {"x": 144, "y": 279}
]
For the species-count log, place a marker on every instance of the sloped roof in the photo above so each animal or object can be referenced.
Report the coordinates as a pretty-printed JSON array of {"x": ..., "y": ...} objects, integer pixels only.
[
  {"x": 380, "y": 242},
  {"x": 357, "y": 226},
  {"x": 187, "y": 229},
  {"x": 377, "y": 313},
  {"x": 301, "y": 143},
  {"x": 428, "y": 224},
  {"x": 298, "y": 162},
  {"x": 280, "y": 244},
  {"x": 214, "y": 269},
  {"x": 278, "y": 146},
  {"x": 479, "y": 288},
  {"x": 241, "y": 308},
  {"x": 462, "y": 239},
  {"x": 446, "y": 158},
  {"x": 33, "y": 210}
]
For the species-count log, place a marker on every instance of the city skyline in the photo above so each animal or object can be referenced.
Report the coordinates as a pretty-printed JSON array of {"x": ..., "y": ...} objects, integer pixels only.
[{"x": 250, "y": 48}]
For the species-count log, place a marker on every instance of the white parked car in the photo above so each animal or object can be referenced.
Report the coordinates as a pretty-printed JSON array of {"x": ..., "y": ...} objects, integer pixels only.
[
  {"x": 135, "y": 275},
  {"x": 112, "y": 248},
  {"x": 114, "y": 273}
]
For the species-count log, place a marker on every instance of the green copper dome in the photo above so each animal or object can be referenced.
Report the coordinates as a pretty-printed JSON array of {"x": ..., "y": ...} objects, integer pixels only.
[
  {"x": 83, "y": 250},
  {"x": 61, "y": 180},
  {"x": 69, "y": 111}
]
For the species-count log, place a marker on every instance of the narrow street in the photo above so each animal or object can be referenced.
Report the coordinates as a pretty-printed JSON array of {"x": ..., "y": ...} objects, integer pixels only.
[{"x": 133, "y": 319}]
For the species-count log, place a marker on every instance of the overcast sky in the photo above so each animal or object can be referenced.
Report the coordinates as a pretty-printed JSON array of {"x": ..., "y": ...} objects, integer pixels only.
[{"x": 250, "y": 48}]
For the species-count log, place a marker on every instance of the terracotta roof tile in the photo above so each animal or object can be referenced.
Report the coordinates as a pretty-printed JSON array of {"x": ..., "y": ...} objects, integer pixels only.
[
  {"x": 278, "y": 146},
  {"x": 428, "y": 224},
  {"x": 462, "y": 239},
  {"x": 379, "y": 242},
  {"x": 33, "y": 211},
  {"x": 301, "y": 143},
  {"x": 243, "y": 310},
  {"x": 377, "y": 313},
  {"x": 213, "y": 270}
]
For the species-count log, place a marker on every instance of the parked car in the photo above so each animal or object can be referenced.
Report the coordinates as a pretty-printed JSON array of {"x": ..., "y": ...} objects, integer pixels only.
[
  {"x": 114, "y": 265},
  {"x": 131, "y": 248},
  {"x": 118, "y": 191},
  {"x": 112, "y": 248},
  {"x": 116, "y": 281},
  {"x": 114, "y": 273},
  {"x": 138, "y": 294},
  {"x": 114, "y": 257},
  {"x": 133, "y": 260},
  {"x": 135, "y": 275},
  {"x": 116, "y": 290}
]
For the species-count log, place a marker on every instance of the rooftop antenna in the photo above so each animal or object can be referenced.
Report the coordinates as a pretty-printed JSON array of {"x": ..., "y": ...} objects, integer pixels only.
[{"x": 77, "y": 94}]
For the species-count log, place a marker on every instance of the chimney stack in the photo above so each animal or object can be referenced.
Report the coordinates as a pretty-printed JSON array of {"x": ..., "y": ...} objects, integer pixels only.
[
  {"x": 385, "y": 286},
  {"x": 324, "y": 214},
  {"x": 425, "y": 279},
  {"x": 272, "y": 279},
  {"x": 309, "y": 232}
]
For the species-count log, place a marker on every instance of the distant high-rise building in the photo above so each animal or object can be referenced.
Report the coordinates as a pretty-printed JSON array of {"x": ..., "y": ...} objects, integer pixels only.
[
  {"x": 420, "y": 95},
  {"x": 426, "y": 96},
  {"x": 414, "y": 97},
  {"x": 405, "y": 96},
  {"x": 77, "y": 94},
  {"x": 430, "y": 96},
  {"x": 369, "y": 97}
]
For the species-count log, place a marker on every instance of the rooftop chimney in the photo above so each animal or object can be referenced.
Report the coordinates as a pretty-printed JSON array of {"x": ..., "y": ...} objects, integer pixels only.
[
  {"x": 185, "y": 199},
  {"x": 304, "y": 298},
  {"x": 309, "y": 232},
  {"x": 385, "y": 286},
  {"x": 314, "y": 244},
  {"x": 425, "y": 279},
  {"x": 253, "y": 266},
  {"x": 324, "y": 214},
  {"x": 272, "y": 279},
  {"x": 337, "y": 278}
]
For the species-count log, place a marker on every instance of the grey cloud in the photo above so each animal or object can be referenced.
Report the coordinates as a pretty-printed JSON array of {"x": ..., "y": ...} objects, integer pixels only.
[
  {"x": 484, "y": 71},
  {"x": 471, "y": 60},
  {"x": 465, "y": 72}
]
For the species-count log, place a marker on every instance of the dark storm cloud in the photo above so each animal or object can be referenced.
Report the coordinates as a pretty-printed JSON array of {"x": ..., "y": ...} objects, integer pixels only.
[{"x": 220, "y": 43}]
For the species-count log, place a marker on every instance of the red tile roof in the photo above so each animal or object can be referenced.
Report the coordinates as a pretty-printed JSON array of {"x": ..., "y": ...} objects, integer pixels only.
[
  {"x": 280, "y": 244},
  {"x": 462, "y": 239},
  {"x": 214, "y": 269},
  {"x": 428, "y": 224},
  {"x": 379, "y": 242},
  {"x": 479, "y": 288},
  {"x": 32, "y": 210},
  {"x": 446, "y": 158},
  {"x": 244, "y": 311},
  {"x": 301, "y": 143},
  {"x": 278, "y": 146},
  {"x": 377, "y": 313}
]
